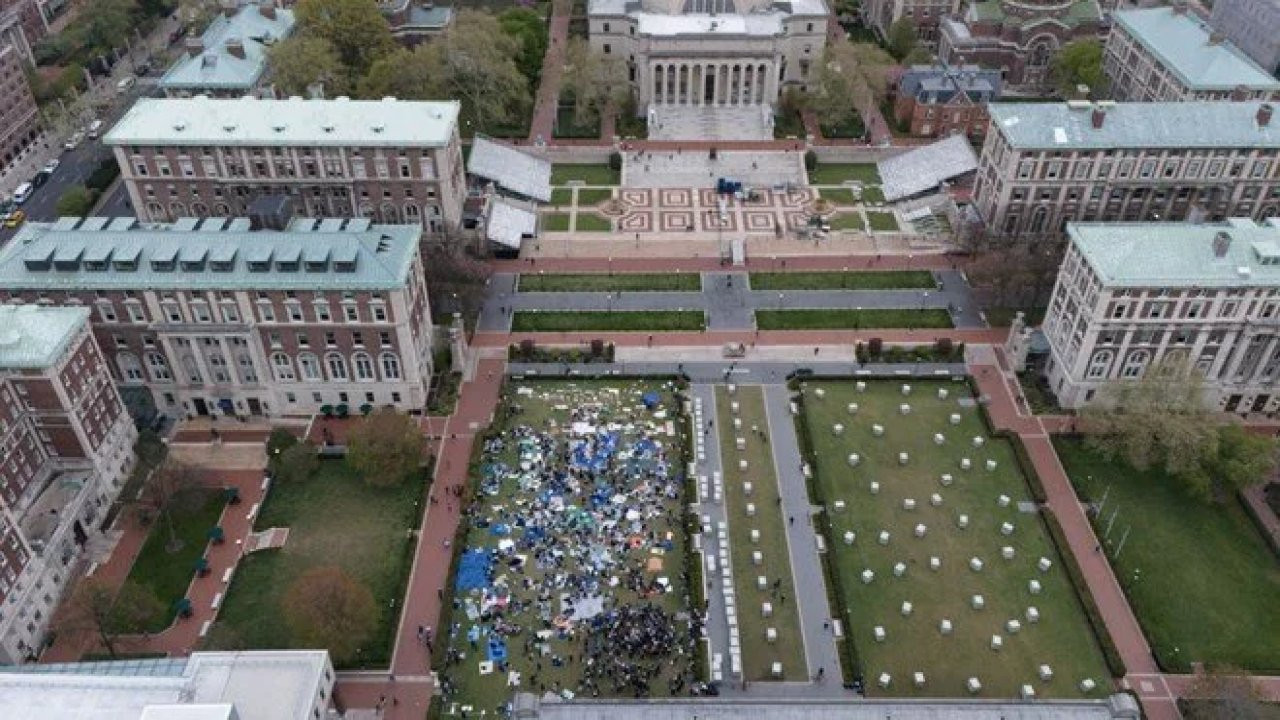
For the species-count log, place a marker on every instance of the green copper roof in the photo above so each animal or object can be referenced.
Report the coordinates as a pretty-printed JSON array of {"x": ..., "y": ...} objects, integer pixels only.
[
  {"x": 1168, "y": 254},
  {"x": 34, "y": 337},
  {"x": 1068, "y": 126},
  {"x": 1181, "y": 43}
]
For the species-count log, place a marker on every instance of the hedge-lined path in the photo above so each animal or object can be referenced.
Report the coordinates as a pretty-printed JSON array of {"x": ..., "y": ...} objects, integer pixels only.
[{"x": 547, "y": 98}]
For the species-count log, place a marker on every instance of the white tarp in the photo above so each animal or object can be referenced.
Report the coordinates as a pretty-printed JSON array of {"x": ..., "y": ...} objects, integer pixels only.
[
  {"x": 925, "y": 168},
  {"x": 511, "y": 169}
]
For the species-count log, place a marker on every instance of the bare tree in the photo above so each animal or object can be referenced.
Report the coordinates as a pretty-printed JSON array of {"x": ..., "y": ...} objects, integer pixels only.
[
  {"x": 95, "y": 608},
  {"x": 455, "y": 280},
  {"x": 327, "y": 608},
  {"x": 385, "y": 447},
  {"x": 167, "y": 488},
  {"x": 1227, "y": 694}
]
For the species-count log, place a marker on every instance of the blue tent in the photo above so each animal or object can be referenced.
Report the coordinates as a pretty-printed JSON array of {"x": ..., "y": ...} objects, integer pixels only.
[
  {"x": 651, "y": 400},
  {"x": 475, "y": 568}
]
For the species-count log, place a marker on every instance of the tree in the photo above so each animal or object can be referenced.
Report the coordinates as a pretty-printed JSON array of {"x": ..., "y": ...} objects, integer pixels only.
[
  {"x": 840, "y": 85},
  {"x": 1226, "y": 694},
  {"x": 901, "y": 38},
  {"x": 1078, "y": 63},
  {"x": 355, "y": 28},
  {"x": 405, "y": 74},
  {"x": 385, "y": 447},
  {"x": 1243, "y": 458},
  {"x": 594, "y": 79},
  {"x": 456, "y": 282},
  {"x": 94, "y": 608},
  {"x": 75, "y": 201},
  {"x": 169, "y": 487},
  {"x": 326, "y": 608},
  {"x": 301, "y": 60},
  {"x": 297, "y": 463},
  {"x": 873, "y": 64},
  {"x": 103, "y": 25},
  {"x": 530, "y": 30}
]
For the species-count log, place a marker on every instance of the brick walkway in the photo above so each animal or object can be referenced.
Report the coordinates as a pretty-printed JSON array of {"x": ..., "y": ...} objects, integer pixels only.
[
  {"x": 542, "y": 125},
  {"x": 924, "y": 261}
]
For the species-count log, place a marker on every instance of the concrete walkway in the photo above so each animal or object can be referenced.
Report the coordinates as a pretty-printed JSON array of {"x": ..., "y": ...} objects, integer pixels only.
[
  {"x": 709, "y": 465},
  {"x": 542, "y": 125}
]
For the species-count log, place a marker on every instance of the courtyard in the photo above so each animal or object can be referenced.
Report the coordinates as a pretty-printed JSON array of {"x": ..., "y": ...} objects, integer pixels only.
[
  {"x": 571, "y": 577},
  {"x": 944, "y": 563}
]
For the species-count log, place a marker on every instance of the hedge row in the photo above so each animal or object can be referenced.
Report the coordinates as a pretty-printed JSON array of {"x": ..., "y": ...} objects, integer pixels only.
[{"x": 1115, "y": 664}]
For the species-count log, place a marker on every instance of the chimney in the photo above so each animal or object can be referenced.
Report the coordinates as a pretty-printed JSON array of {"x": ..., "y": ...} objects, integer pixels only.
[
  {"x": 235, "y": 47},
  {"x": 1239, "y": 93},
  {"x": 1221, "y": 243},
  {"x": 1099, "y": 115},
  {"x": 268, "y": 9},
  {"x": 1216, "y": 38},
  {"x": 1179, "y": 7},
  {"x": 1264, "y": 114},
  {"x": 229, "y": 8},
  {"x": 194, "y": 45}
]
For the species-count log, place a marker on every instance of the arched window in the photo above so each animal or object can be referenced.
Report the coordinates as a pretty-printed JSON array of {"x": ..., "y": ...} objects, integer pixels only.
[
  {"x": 130, "y": 368},
  {"x": 221, "y": 210},
  {"x": 1040, "y": 54},
  {"x": 410, "y": 213},
  {"x": 282, "y": 366},
  {"x": 155, "y": 211},
  {"x": 337, "y": 366},
  {"x": 389, "y": 214},
  {"x": 177, "y": 210},
  {"x": 390, "y": 366},
  {"x": 193, "y": 370},
  {"x": 309, "y": 366},
  {"x": 159, "y": 367},
  {"x": 366, "y": 210},
  {"x": 1173, "y": 362},
  {"x": 199, "y": 209},
  {"x": 363, "y": 365},
  {"x": 1135, "y": 364},
  {"x": 1099, "y": 363}
]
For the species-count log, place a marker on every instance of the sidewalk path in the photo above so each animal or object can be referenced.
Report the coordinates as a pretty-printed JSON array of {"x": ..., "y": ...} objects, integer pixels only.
[
  {"x": 717, "y": 622},
  {"x": 542, "y": 125},
  {"x": 884, "y": 261},
  {"x": 811, "y": 338}
]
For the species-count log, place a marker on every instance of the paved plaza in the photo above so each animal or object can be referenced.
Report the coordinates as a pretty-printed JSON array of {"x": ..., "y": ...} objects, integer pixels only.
[
  {"x": 696, "y": 168},
  {"x": 703, "y": 123}
]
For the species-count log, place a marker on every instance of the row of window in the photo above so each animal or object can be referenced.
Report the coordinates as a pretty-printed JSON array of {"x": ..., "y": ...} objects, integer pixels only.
[
  {"x": 228, "y": 311},
  {"x": 307, "y": 367}
]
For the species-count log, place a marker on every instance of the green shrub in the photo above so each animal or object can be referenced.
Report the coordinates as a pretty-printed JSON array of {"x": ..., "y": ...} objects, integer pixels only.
[
  {"x": 615, "y": 161},
  {"x": 810, "y": 160}
]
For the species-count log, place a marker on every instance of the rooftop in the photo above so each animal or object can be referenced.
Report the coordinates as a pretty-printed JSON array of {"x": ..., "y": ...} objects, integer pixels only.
[
  {"x": 261, "y": 685},
  {"x": 1181, "y": 254},
  {"x": 1062, "y": 126},
  {"x": 35, "y": 337},
  {"x": 1181, "y": 42},
  {"x": 634, "y": 7},
  {"x": 339, "y": 122},
  {"x": 213, "y": 253},
  {"x": 941, "y": 82},
  {"x": 993, "y": 11},
  {"x": 217, "y": 67},
  {"x": 509, "y": 223},
  {"x": 927, "y": 167},
  {"x": 512, "y": 169}
]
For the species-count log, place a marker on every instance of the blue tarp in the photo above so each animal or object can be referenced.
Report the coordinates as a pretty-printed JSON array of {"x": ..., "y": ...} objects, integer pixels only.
[
  {"x": 497, "y": 650},
  {"x": 651, "y": 400},
  {"x": 593, "y": 453},
  {"x": 475, "y": 568}
]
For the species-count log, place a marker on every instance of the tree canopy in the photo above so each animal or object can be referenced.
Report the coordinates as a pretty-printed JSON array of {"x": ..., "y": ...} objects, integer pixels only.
[
  {"x": 327, "y": 608},
  {"x": 902, "y": 38},
  {"x": 297, "y": 463},
  {"x": 841, "y": 85},
  {"x": 301, "y": 60},
  {"x": 595, "y": 80},
  {"x": 1078, "y": 63},
  {"x": 75, "y": 201},
  {"x": 356, "y": 29},
  {"x": 530, "y": 30},
  {"x": 385, "y": 447},
  {"x": 95, "y": 607}
]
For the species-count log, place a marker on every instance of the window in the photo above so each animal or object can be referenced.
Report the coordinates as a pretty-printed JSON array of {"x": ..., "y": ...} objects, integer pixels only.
[
  {"x": 295, "y": 311},
  {"x": 357, "y": 338},
  {"x": 192, "y": 369},
  {"x": 309, "y": 366},
  {"x": 1136, "y": 363},
  {"x": 337, "y": 366},
  {"x": 364, "y": 367},
  {"x": 107, "y": 311},
  {"x": 159, "y": 367},
  {"x": 282, "y": 367},
  {"x": 322, "y": 311},
  {"x": 1098, "y": 364},
  {"x": 303, "y": 340},
  {"x": 384, "y": 338},
  {"x": 201, "y": 312},
  {"x": 331, "y": 339},
  {"x": 390, "y": 366},
  {"x": 230, "y": 313},
  {"x": 247, "y": 372},
  {"x": 350, "y": 312},
  {"x": 130, "y": 368},
  {"x": 136, "y": 313},
  {"x": 379, "y": 313},
  {"x": 219, "y": 366}
]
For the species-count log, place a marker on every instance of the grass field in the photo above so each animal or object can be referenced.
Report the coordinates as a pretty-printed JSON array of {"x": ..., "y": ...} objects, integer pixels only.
[
  {"x": 839, "y": 196},
  {"x": 593, "y": 196},
  {"x": 167, "y": 575},
  {"x": 561, "y": 196},
  {"x": 334, "y": 518},
  {"x": 599, "y": 282},
  {"x": 870, "y": 280},
  {"x": 848, "y": 221},
  {"x": 882, "y": 221},
  {"x": 618, "y": 320},
  {"x": 591, "y": 222},
  {"x": 550, "y": 408},
  {"x": 1201, "y": 579},
  {"x": 758, "y": 655},
  {"x": 1061, "y": 638},
  {"x": 837, "y": 173},
  {"x": 851, "y": 319},
  {"x": 872, "y": 194},
  {"x": 587, "y": 174}
]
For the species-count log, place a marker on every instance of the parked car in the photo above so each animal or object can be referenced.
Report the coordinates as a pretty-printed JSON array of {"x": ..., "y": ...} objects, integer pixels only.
[
  {"x": 40, "y": 178},
  {"x": 52, "y": 165},
  {"x": 15, "y": 218},
  {"x": 95, "y": 127},
  {"x": 125, "y": 84},
  {"x": 22, "y": 193},
  {"x": 74, "y": 141}
]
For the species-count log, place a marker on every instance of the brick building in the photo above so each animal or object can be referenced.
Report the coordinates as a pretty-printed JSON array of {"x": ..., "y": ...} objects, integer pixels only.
[
  {"x": 1131, "y": 295},
  {"x": 1252, "y": 26},
  {"x": 19, "y": 117},
  {"x": 1166, "y": 54},
  {"x": 66, "y": 443},
  {"x": 937, "y": 100},
  {"x": 1046, "y": 164},
  {"x": 217, "y": 319},
  {"x": 384, "y": 160},
  {"x": 1017, "y": 38},
  {"x": 22, "y": 24},
  {"x": 925, "y": 15}
]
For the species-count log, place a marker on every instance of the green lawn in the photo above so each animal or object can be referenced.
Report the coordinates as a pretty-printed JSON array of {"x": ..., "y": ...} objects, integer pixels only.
[
  {"x": 587, "y": 174},
  {"x": 1002, "y": 317},
  {"x": 857, "y": 280},
  {"x": 848, "y": 221},
  {"x": 561, "y": 196},
  {"x": 1061, "y": 638},
  {"x": 1201, "y": 579},
  {"x": 851, "y": 319},
  {"x": 555, "y": 222},
  {"x": 882, "y": 221},
  {"x": 618, "y": 320},
  {"x": 839, "y": 196},
  {"x": 334, "y": 518},
  {"x": 872, "y": 194},
  {"x": 837, "y": 173},
  {"x": 166, "y": 574},
  {"x": 551, "y": 408},
  {"x": 591, "y": 222},
  {"x": 600, "y": 282},
  {"x": 758, "y": 655},
  {"x": 593, "y": 196}
]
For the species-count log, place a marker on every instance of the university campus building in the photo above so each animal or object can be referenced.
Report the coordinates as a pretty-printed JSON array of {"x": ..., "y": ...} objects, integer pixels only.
[
  {"x": 1251, "y": 26},
  {"x": 1164, "y": 54},
  {"x": 217, "y": 319},
  {"x": 66, "y": 445},
  {"x": 387, "y": 161},
  {"x": 1046, "y": 164},
  {"x": 230, "y": 58}
]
